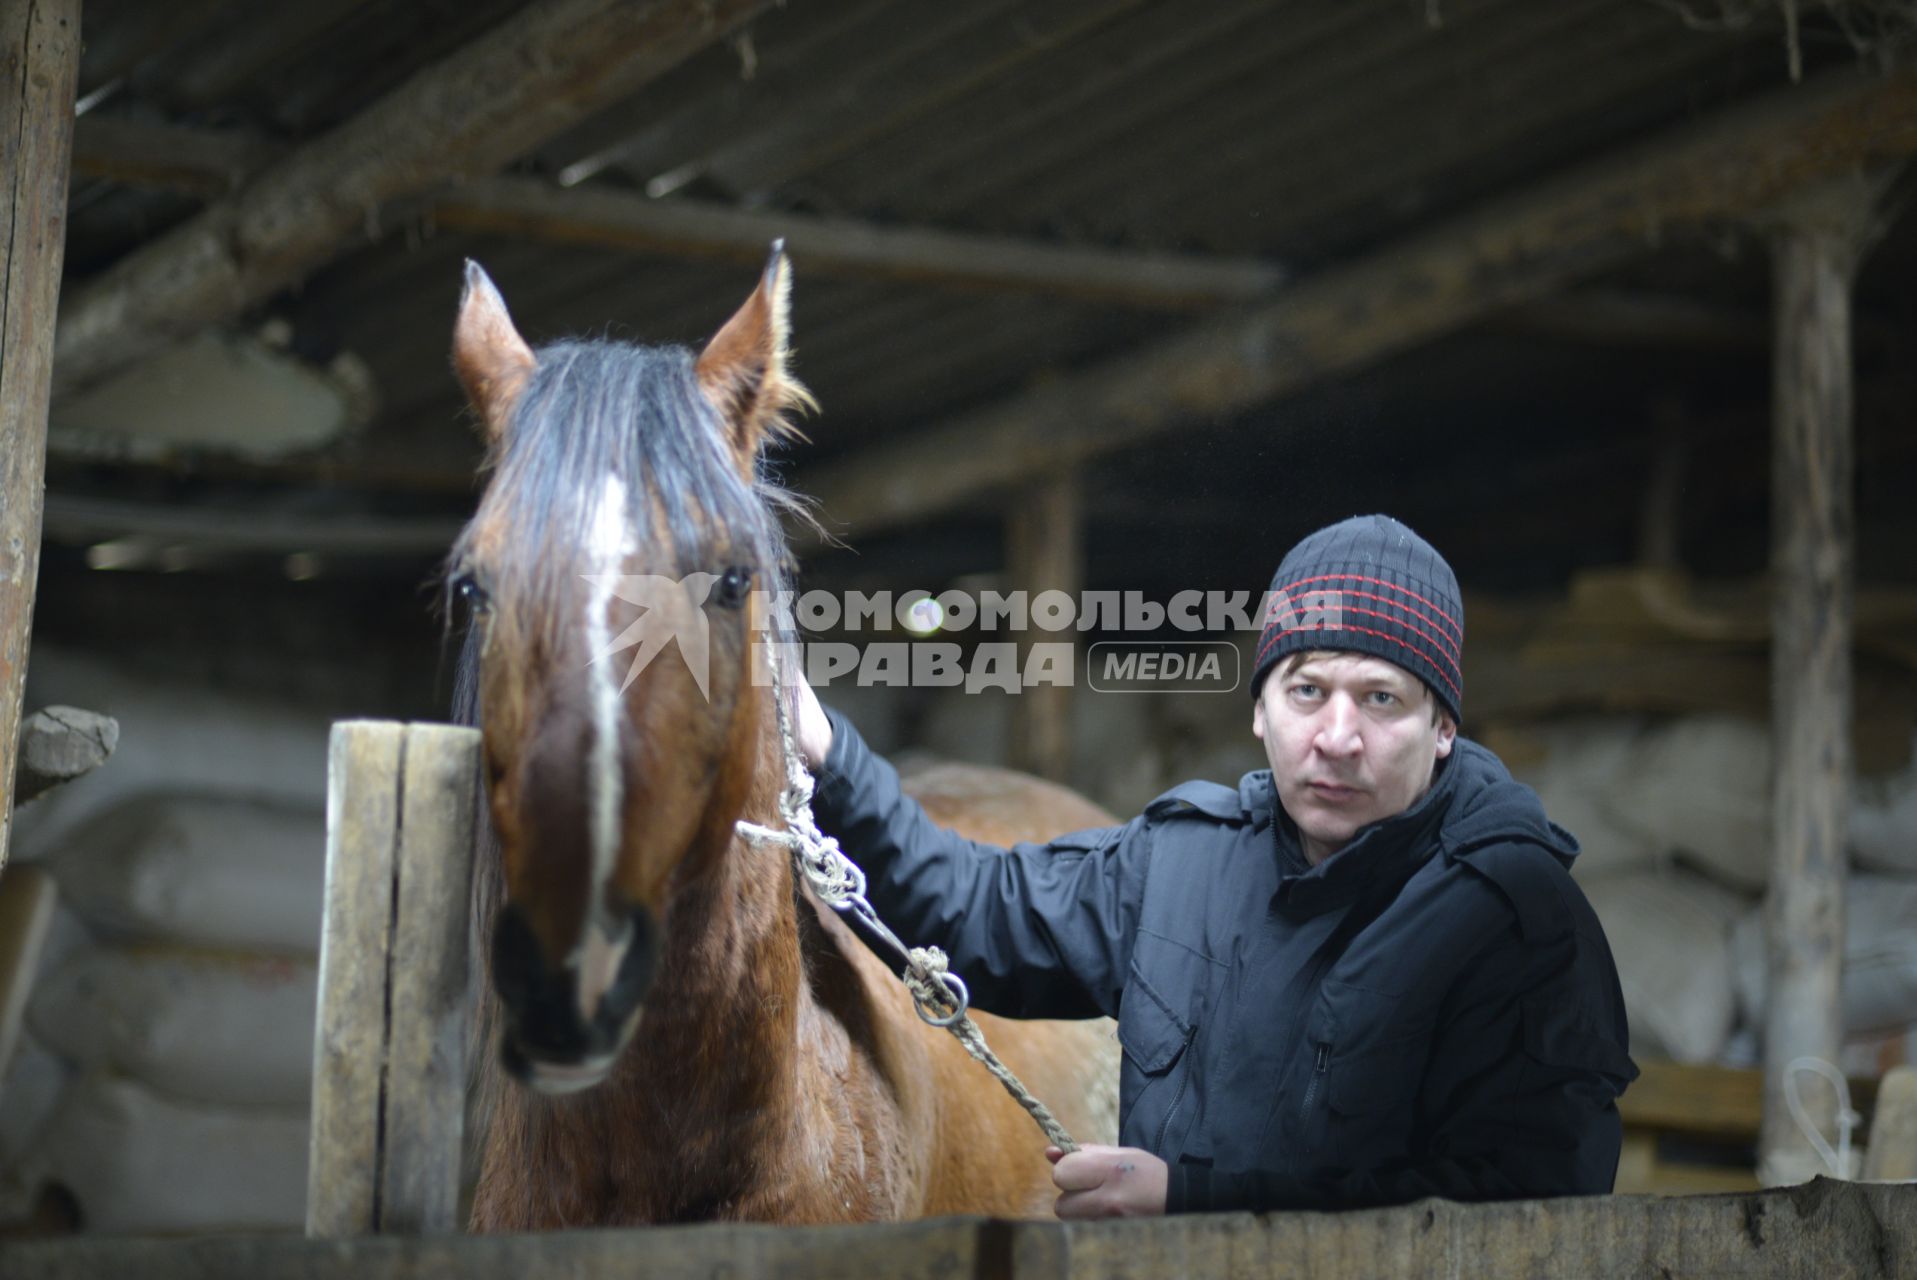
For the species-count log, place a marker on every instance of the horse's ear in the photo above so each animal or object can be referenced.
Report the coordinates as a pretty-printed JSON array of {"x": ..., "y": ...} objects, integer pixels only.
[
  {"x": 743, "y": 369},
  {"x": 492, "y": 360}
]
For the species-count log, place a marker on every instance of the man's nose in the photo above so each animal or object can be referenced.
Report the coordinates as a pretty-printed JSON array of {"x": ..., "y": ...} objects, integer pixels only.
[{"x": 1338, "y": 730}]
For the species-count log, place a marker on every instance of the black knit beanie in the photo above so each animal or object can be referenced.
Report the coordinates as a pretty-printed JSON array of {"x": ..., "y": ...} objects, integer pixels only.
[{"x": 1369, "y": 585}]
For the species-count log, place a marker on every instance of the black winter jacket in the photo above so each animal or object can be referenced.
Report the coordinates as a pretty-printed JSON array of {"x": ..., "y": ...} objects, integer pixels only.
[{"x": 1432, "y": 1011}]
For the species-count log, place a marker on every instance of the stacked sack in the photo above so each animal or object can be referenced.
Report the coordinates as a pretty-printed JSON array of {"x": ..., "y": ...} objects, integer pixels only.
[
  {"x": 1674, "y": 820},
  {"x": 164, "y": 1078}
]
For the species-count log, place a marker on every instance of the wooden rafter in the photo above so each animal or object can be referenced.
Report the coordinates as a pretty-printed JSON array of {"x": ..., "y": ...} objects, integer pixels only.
[
  {"x": 533, "y": 76},
  {"x": 207, "y": 162},
  {"x": 1440, "y": 280},
  {"x": 844, "y": 246}
]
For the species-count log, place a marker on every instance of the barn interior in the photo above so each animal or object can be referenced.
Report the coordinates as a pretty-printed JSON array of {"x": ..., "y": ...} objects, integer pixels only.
[{"x": 1106, "y": 296}]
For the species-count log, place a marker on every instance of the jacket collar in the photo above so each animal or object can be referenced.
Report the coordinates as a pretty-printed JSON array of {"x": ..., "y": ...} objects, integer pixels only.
[{"x": 1382, "y": 854}]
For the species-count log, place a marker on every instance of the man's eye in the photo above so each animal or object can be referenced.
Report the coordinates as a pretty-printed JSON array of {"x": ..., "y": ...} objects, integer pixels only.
[
  {"x": 1382, "y": 699},
  {"x": 1305, "y": 690}
]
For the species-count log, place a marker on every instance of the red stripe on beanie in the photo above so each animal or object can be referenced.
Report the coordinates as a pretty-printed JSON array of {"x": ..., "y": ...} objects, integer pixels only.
[
  {"x": 1380, "y": 582},
  {"x": 1273, "y": 637}
]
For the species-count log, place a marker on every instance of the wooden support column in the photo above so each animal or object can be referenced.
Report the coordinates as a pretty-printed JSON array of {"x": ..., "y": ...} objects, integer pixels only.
[
  {"x": 1044, "y": 548},
  {"x": 39, "y": 72},
  {"x": 389, "y": 1050},
  {"x": 1818, "y": 241}
]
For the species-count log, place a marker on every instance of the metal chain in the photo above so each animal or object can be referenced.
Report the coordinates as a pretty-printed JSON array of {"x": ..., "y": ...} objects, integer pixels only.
[{"x": 938, "y": 994}]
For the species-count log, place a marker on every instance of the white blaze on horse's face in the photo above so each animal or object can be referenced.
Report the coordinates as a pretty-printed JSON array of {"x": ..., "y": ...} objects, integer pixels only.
[{"x": 602, "y": 946}]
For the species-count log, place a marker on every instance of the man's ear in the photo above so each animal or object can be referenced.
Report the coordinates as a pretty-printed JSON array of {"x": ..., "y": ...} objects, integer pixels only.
[
  {"x": 493, "y": 362},
  {"x": 1258, "y": 716},
  {"x": 743, "y": 373},
  {"x": 1447, "y": 734}
]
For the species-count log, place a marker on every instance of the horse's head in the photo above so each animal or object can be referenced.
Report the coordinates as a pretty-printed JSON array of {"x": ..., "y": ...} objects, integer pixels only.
[{"x": 624, "y": 514}]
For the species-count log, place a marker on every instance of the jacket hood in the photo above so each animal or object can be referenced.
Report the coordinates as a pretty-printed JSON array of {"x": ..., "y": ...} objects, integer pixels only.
[{"x": 1489, "y": 806}]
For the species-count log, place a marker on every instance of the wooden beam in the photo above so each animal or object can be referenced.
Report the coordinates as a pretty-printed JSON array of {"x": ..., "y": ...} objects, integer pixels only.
[
  {"x": 79, "y": 521},
  {"x": 1440, "y": 280},
  {"x": 1826, "y": 1229},
  {"x": 168, "y": 157},
  {"x": 846, "y": 247},
  {"x": 1045, "y": 551},
  {"x": 59, "y": 744},
  {"x": 1821, "y": 238},
  {"x": 208, "y": 162},
  {"x": 40, "y": 59},
  {"x": 534, "y": 75},
  {"x": 27, "y": 899}
]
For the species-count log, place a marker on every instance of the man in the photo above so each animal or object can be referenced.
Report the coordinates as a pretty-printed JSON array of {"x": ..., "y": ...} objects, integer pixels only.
[{"x": 1362, "y": 977}]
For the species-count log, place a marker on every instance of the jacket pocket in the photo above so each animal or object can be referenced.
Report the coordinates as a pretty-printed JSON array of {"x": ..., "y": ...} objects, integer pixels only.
[
  {"x": 1156, "y": 1068},
  {"x": 1564, "y": 1041},
  {"x": 1150, "y": 1031}
]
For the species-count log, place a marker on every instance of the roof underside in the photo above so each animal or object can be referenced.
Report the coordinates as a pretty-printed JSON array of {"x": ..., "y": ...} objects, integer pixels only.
[{"x": 1303, "y": 136}]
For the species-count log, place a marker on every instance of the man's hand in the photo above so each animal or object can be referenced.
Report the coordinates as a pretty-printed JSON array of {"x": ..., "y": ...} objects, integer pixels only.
[
  {"x": 1108, "y": 1182},
  {"x": 813, "y": 730}
]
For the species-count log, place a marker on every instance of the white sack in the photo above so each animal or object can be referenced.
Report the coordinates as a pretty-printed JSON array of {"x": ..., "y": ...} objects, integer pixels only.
[
  {"x": 137, "y": 1163},
  {"x": 1883, "y": 823},
  {"x": 1702, "y": 786},
  {"x": 202, "y": 869},
  {"x": 172, "y": 738},
  {"x": 1583, "y": 761},
  {"x": 1670, "y": 932},
  {"x": 229, "y": 1028},
  {"x": 1880, "y": 957}
]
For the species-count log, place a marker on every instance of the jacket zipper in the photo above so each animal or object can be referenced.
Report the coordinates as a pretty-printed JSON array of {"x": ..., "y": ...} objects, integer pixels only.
[
  {"x": 1177, "y": 1098},
  {"x": 1318, "y": 1068}
]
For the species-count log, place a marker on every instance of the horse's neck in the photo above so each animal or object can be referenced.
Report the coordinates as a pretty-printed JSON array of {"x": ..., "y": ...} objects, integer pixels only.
[{"x": 717, "y": 1065}]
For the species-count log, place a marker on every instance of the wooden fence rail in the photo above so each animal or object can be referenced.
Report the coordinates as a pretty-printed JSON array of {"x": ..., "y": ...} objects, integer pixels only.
[{"x": 1829, "y": 1230}]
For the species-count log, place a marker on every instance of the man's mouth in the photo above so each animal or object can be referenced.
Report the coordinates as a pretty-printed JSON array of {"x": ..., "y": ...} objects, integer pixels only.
[{"x": 1333, "y": 791}]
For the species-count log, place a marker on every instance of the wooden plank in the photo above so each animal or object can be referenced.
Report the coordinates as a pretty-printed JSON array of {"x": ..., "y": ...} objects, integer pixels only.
[
  {"x": 40, "y": 65},
  {"x": 80, "y": 521},
  {"x": 27, "y": 898},
  {"x": 534, "y": 75},
  {"x": 1045, "y": 552},
  {"x": 1891, "y": 1152},
  {"x": 847, "y": 247},
  {"x": 349, "y": 1040},
  {"x": 1818, "y": 245},
  {"x": 1824, "y": 1229},
  {"x": 1346, "y": 317},
  {"x": 425, "y": 1096},
  {"x": 59, "y": 744},
  {"x": 1706, "y": 1100}
]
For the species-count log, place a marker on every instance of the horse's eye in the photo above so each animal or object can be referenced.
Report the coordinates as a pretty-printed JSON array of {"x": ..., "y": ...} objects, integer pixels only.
[
  {"x": 732, "y": 586},
  {"x": 470, "y": 593}
]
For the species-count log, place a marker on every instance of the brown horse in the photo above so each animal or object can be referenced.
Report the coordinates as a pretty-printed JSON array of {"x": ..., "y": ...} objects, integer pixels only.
[{"x": 692, "y": 1033}]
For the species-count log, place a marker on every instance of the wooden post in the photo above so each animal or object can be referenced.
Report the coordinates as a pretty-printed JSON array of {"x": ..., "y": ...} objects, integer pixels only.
[
  {"x": 389, "y": 1050},
  {"x": 1819, "y": 239},
  {"x": 27, "y": 897},
  {"x": 1044, "y": 536},
  {"x": 40, "y": 56}
]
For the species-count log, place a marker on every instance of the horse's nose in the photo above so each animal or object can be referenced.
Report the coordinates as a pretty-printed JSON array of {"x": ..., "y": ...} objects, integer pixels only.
[{"x": 567, "y": 1022}]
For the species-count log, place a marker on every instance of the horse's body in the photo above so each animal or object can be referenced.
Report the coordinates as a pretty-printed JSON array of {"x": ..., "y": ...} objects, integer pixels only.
[{"x": 780, "y": 1071}]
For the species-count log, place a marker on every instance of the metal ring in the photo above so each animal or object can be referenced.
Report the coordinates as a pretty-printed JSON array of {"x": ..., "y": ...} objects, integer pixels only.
[{"x": 962, "y": 996}]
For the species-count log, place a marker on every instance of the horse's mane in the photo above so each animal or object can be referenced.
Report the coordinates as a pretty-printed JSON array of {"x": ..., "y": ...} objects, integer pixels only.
[{"x": 593, "y": 409}]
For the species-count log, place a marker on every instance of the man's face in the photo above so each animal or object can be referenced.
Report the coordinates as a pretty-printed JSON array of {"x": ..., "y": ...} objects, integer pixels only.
[{"x": 1351, "y": 739}]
